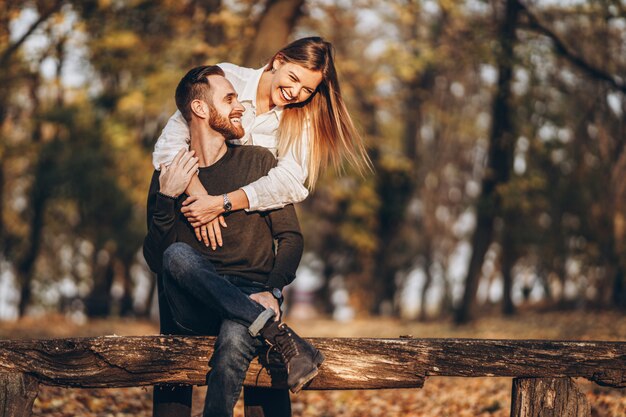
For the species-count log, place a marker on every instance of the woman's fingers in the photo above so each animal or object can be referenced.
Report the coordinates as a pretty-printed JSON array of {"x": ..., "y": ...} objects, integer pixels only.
[
  {"x": 222, "y": 221},
  {"x": 212, "y": 238},
  {"x": 217, "y": 231},
  {"x": 205, "y": 235},
  {"x": 196, "y": 230}
]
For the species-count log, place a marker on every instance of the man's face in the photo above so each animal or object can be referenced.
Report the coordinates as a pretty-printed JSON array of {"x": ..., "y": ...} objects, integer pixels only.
[{"x": 225, "y": 110}]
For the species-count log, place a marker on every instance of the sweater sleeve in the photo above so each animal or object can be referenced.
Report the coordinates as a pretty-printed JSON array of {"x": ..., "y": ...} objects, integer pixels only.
[
  {"x": 290, "y": 245},
  {"x": 174, "y": 137},
  {"x": 161, "y": 221}
]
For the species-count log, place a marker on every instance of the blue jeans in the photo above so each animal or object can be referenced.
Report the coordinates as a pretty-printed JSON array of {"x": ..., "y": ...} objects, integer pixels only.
[{"x": 201, "y": 301}]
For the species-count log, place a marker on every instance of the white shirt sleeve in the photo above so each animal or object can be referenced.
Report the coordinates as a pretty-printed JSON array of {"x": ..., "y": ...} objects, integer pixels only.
[
  {"x": 283, "y": 184},
  {"x": 174, "y": 137}
]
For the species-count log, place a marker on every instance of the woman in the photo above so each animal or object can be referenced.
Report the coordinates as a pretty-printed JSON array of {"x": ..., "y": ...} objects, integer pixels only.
[{"x": 295, "y": 109}]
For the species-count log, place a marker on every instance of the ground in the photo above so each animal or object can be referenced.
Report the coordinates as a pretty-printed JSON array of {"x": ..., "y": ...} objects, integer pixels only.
[{"x": 440, "y": 397}]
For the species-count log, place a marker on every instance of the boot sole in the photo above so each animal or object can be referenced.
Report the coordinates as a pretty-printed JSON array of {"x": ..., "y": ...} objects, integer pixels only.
[{"x": 319, "y": 358}]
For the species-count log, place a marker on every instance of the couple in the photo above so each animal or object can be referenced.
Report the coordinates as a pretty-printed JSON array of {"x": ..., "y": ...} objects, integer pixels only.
[{"x": 292, "y": 107}]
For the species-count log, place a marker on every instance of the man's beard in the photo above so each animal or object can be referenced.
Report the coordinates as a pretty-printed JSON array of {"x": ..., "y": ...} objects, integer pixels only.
[{"x": 224, "y": 126}]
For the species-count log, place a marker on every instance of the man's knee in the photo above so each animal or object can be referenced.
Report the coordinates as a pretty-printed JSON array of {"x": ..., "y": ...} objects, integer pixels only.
[
  {"x": 176, "y": 258},
  {"x": 234, "y": 344}
]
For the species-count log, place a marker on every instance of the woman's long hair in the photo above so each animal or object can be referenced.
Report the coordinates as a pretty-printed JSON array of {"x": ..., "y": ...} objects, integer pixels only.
[{"x": 323, "y": 117}]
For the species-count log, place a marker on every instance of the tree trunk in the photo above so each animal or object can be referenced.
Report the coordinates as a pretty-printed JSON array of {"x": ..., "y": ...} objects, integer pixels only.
[
  {"x": 501, "y": 148},
  {"x": 126, "y": 307},
  {"x": 214, "y": 35},
  {"x": 26, "y": 267},
  {"x": 17, "y": 394},
  {"x": 98, "y": 303},
  {"x": 508, "y": 257},
  {"x": 273, "y": 30},
  {"x": 548, "y": 397},
  {"x": 619, "y": 288},
  {"x": 427, "y": 283}
]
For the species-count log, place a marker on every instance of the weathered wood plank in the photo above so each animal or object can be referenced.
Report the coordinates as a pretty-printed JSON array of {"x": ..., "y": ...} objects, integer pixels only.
[
  {"x": 548, "y": 397},
  {"x": 350, "y": 363},
  {"x": 17, "y": 394}
]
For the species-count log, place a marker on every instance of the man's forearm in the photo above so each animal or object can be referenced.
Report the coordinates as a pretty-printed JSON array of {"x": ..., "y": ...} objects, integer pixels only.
[
  {"x": 290, "y": 245},
  {"x": 288, "y": 254}
]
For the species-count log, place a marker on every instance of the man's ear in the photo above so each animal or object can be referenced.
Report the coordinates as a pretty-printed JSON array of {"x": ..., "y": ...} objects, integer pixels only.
[{"x": 200, "y": 108}]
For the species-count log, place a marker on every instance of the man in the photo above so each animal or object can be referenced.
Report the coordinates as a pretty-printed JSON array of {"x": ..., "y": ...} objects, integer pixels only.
[{"x": 233, "y": 291}]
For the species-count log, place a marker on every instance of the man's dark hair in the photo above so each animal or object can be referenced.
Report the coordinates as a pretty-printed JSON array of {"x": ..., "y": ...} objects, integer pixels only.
[{"x": 195, "y": 86}]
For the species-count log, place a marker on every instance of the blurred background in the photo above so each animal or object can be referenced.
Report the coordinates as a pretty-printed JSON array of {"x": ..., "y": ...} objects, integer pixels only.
[{"x": 496, "y": 129}]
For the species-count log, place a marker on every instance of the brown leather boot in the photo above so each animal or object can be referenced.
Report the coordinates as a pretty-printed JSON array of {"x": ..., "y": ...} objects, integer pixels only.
[{"x": 299, "y": 356}]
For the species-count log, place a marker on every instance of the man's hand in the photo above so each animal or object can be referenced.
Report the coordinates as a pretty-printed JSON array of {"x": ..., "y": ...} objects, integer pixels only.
[
  {"x": 201, "y": 209},
  {"x": 267, "y": 300},
  {"x": 174, "y": 179},
  {"x": 211, "y": 233}
]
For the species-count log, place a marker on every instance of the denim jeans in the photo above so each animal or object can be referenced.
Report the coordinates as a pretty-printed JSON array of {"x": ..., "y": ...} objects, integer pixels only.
[{"x": 200, "y": 300}]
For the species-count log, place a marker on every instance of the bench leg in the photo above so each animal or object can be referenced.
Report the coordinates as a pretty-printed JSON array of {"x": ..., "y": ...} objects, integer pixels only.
[
  {"x": 172, "y": 400},
  {"x": 266, "y": 402},
  {"x": 548, "y": 397},
  {"x": 17, "y": 394}
]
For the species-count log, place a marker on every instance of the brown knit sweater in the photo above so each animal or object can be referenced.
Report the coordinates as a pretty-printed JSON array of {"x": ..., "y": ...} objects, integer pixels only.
[{"x": 249, "y": 240}]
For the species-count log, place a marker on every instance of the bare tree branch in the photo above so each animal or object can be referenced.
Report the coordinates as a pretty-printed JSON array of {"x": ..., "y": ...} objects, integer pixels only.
[
  {"x": 534, "y": 23},
  {"x": 10, "y": 50}
]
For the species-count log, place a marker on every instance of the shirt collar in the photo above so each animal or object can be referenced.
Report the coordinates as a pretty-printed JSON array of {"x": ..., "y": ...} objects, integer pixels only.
[{"x": 249, "y": 91}]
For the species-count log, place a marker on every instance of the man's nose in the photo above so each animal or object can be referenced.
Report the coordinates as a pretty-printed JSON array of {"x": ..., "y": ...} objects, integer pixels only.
[{"x": 239, "y": 106}]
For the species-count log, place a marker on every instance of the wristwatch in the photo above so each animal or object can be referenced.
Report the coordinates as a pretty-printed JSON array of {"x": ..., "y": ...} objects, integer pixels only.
[
  {"x": 277, "y": 293},
  {"x": 228, "y": 206}
]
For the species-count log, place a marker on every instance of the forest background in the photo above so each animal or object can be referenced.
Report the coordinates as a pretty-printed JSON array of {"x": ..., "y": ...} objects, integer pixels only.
[{"x": 496, "y": 130}]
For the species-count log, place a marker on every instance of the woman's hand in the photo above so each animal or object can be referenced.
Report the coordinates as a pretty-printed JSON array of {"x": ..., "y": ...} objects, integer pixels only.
[
  {"x": 211, "y": 233},
  {"x": 201, "y": 212},
  {"x": 201, "y": 209}
]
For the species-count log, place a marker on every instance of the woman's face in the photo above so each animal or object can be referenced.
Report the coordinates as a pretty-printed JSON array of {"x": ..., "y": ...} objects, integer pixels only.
[{"x": 292, "y": 83}]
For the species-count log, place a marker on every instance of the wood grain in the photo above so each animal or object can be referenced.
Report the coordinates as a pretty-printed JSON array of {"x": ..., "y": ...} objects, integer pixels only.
[
  {"x": 548, "y": 397},
  {"x": 17, "y": 394},
  {"x": 350, "y": 363}
]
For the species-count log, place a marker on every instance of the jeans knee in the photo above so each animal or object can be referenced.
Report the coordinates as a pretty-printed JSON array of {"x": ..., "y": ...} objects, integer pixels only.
[
  {"x": 234, "y": 345},
  {"x": 176, "y": 257}
]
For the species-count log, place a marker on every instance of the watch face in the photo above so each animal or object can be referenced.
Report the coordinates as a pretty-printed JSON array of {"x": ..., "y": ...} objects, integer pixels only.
[
  {"x": 227, "y": 204},
  {"x": 277, "y": 293}
]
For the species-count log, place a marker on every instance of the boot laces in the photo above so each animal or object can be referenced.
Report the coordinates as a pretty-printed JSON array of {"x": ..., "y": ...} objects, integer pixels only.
[{"x": 286, "y": 343}]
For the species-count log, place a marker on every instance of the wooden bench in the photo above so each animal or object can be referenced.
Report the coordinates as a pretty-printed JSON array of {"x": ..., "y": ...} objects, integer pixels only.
[{"x": 542, "y": 370}]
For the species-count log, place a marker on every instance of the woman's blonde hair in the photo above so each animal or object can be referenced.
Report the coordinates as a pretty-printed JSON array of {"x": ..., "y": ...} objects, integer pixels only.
[{"x": 323, "y": 116}]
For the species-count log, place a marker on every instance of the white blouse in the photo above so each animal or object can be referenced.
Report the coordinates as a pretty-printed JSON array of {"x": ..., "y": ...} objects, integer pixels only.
[{"x": 283, "y": 184}]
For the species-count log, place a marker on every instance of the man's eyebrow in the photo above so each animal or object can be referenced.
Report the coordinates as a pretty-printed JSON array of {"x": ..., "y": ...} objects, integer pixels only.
[{"x": 230, "y": 95}]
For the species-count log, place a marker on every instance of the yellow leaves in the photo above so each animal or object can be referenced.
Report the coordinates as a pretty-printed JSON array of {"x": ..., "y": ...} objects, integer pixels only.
[
  {"x": 104, "y": 4},
  {"x": 120, "y": 41},
  {"x": 396, "y": 163},
  {"x": 132, "y": 103},
  {"x": 118, "y": 135}
]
